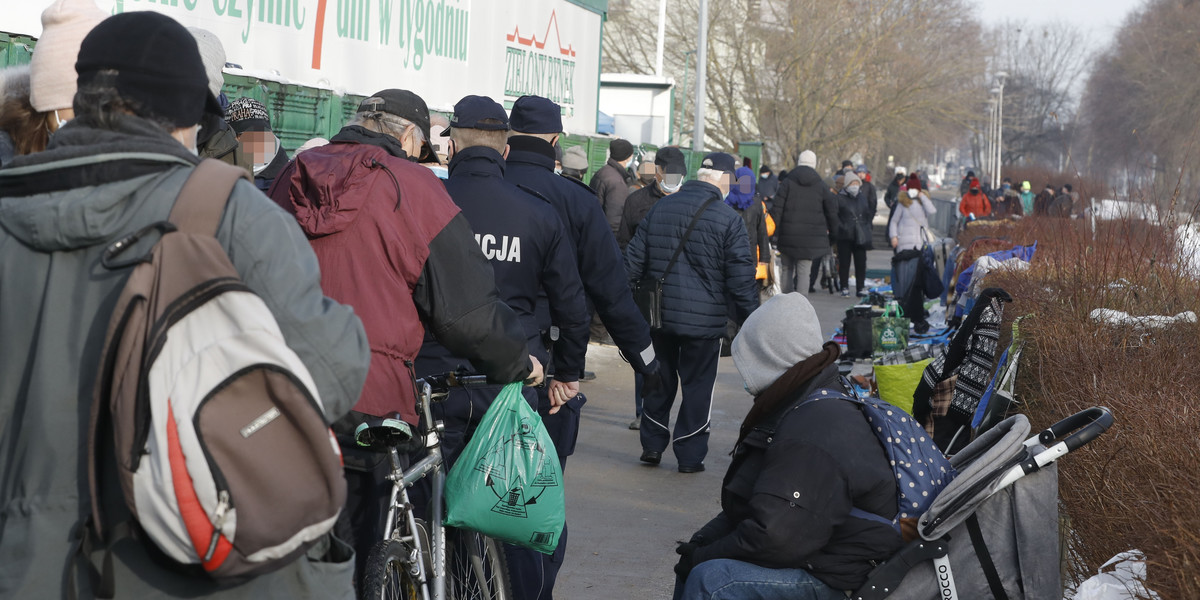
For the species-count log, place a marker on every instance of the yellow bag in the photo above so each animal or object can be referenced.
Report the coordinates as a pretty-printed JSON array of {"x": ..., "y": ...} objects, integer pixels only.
[{"x": 898, "y": 382}]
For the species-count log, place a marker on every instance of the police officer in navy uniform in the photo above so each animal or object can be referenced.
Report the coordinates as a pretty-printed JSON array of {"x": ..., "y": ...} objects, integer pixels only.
[
  {"x": 525, "y": 241},
  {"x": 536, "y": 126}
]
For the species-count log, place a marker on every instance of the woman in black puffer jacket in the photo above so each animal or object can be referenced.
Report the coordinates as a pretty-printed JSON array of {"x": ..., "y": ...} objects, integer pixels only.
[{"x": 855, "y": 212}]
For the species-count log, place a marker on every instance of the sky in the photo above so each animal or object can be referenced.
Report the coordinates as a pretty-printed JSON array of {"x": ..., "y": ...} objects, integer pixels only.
[{"x": 1100, "y": 19}]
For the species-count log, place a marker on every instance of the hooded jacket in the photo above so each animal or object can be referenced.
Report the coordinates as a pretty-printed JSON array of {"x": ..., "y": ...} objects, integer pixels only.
[
  {"x": 715, "y": 271},
  {"x": 393, "y": 245},
  {"x": 806, "y": 215},
  {"x": 59, "y": 210},
  {"x": 749, "y": 207},
  {"x": 975, "y": 202},
  {"x": 907, "y": 220}
]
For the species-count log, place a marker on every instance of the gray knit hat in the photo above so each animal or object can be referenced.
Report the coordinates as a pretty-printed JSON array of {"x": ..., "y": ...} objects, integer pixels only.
[
  {"x": 213, "y": 55},
  {"x": 782, "y": 332}
]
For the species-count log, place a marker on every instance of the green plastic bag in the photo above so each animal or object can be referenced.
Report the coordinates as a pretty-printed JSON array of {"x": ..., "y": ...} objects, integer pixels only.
[
  {"x": 507, "y": 483},
  {"x": 889, "y": 333},
  {"x": 898, "y": 382}
]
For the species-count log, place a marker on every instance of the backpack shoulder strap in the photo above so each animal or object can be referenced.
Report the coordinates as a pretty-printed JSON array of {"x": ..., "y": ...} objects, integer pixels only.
[{"x": 202, "y": 199}]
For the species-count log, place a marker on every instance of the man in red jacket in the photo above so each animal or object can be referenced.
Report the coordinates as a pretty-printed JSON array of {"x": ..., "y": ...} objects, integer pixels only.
[
  {"x": 975, "y": 202},
  {"x": 393, "y": 245}
]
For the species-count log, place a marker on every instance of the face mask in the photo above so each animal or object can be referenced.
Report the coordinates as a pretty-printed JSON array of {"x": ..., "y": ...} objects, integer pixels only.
[
  {"x": 61, "y": 121},
  {"x": 765, "y": 175},
  {"x": 558, "y": 170},
  {"x": 671, "y": 183},
  {"x": 913, "y": 194},
  {"x": 853, "y": 190},
  {"x": 647, "y": 179}
]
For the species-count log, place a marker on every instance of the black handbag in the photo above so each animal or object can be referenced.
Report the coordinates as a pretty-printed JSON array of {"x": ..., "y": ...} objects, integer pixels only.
[{"x": 647, "y": 292}]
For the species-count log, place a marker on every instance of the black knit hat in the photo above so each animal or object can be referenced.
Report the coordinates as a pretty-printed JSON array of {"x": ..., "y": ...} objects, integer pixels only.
[
  {"x": 620, "y": 149},
  {"x": 155, "y": 62}
]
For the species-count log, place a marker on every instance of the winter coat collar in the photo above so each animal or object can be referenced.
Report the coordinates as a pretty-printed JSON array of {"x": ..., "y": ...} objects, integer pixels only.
[
  {"x": 477, "y": 160},
  {"x": 532, "y": 150},
  {"x": 357, "y": 134}
]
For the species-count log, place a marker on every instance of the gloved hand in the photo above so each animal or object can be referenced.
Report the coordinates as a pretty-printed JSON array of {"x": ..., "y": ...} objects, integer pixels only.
[
  {"x": 652, "y": 379},
  {"x": 684, "y": 566}
]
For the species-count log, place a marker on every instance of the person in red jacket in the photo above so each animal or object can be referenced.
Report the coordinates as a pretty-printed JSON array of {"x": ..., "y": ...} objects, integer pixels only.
[
  {"x": 974, "y": 202},
  {"x": 394, "y": 246}
]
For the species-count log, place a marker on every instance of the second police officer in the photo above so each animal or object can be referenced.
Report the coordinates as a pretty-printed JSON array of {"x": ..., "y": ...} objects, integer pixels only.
[{"x": 536, "y": 126}]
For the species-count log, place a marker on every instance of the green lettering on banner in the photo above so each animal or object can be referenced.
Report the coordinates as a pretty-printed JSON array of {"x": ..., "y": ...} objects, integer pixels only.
[
  {"x": 189, "y": 4},
  {"x": 233, "y": 9},
  {"x": 250, "y": 16},
  {"x": 219, "y": 7},
  {"x": 385, "y": 21},
  {"x": 436, "y": 29},
  {"x": 419, "y": 28}
]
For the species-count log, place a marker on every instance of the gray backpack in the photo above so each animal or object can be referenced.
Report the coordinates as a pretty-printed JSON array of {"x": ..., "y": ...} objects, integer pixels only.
[{"x": 222, "y": 447}]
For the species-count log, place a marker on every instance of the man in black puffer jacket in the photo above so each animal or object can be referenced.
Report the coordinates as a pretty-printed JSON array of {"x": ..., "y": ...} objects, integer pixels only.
[
  {"x": 713, "y": 274},
  {"x": 805, "y": 214},
  {"x": 786, "y": 529}
]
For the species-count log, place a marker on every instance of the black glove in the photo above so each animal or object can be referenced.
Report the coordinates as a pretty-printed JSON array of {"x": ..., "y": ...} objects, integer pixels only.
[
  {"x": 685, "y": 564},
  {"x": 652, "y": 379}
]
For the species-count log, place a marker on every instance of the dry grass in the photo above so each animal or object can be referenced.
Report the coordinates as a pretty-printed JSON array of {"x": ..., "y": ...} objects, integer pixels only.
[{"x": 1137, "y": 486}]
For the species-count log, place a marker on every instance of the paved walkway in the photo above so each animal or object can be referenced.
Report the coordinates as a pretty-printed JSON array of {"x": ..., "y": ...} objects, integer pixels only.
[{"x": 626, "y": 517}]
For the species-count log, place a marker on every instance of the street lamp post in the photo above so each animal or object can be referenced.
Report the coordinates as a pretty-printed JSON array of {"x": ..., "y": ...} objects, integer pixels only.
[
  {"x": 989, "y": 139},
  {"x": 994, "y": 150},
  {"x": 687, "y": 65},
  {"x": 1001, "y": 76},
  {"x": 701, "y": 65}
]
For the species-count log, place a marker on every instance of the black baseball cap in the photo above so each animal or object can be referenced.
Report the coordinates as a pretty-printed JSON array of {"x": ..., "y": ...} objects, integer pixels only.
[
  {"x": 156, "y": 63},
  {"x": 407, "y": 106},
  {"x": 535, "y": 114},
  {"x": 720, "y": 161},
  {"x": 671, "y": 160},
  {"x": 471, "y": 110}
]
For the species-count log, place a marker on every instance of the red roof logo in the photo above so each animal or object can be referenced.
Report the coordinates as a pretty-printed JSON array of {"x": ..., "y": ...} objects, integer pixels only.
[{"x": 515, "y": 36}]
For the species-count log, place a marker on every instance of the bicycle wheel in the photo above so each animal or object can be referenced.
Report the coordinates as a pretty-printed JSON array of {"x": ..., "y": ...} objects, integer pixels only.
[
  {"x": 386, "y": 575},
  {"x": 475, "y": 567}
]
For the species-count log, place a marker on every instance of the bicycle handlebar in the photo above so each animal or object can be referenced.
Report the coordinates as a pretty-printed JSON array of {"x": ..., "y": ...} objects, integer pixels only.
[{"x": 441, "y": 383}]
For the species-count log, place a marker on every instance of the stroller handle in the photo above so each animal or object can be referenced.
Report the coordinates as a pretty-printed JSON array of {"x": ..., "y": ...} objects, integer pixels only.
[{"x": 1086, "y": 426}]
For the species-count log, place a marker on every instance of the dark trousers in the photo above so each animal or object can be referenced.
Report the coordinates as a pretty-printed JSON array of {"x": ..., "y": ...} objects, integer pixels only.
[
  {"x": 532, "y": 573},
  {"x": 638, "y": 382},
  {"x": 690, "y": 364},
  {"x": 847, "y": 249}
]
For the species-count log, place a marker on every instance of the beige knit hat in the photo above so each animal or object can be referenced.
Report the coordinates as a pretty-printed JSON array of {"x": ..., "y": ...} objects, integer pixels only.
[{"x": 52, "y": 71}]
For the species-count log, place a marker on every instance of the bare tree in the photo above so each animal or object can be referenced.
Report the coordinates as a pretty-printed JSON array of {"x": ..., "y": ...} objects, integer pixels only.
[
  {"x": 1044, "y": 65},
  {"x": 867, "y": 76}
]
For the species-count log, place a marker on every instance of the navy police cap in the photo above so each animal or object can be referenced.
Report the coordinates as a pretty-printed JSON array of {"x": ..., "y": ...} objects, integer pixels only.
[
  {"x": 478, "y": 112},
  {"x": 535, "y": 114}
]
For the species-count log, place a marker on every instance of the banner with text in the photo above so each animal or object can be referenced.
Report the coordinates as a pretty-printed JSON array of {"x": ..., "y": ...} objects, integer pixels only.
[{"x": 440, "y": 49}]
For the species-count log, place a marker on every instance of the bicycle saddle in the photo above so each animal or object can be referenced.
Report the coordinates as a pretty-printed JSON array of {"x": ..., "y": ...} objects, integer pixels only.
[{"x": 382, "y": 433}]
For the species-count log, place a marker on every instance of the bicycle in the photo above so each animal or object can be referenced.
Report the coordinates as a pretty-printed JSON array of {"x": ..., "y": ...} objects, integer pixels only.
[{"x": 416, "y": 560}]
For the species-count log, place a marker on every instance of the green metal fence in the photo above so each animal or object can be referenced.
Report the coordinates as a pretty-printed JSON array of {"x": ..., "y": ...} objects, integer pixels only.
[{"x": 15, "y": 49}]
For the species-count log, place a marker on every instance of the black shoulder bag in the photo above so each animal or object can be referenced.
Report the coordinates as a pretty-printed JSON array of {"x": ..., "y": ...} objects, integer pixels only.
[{"x": 647, "y": 293}]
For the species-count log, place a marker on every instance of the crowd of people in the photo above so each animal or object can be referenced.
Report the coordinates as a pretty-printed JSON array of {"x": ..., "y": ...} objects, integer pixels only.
[
  {"x": 398, "y": 249},
  {"x": 977, "y": 202}
]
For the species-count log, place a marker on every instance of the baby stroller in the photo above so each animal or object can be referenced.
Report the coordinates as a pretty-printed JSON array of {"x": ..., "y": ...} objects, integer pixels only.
[{"x": 993, "y": 532}]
